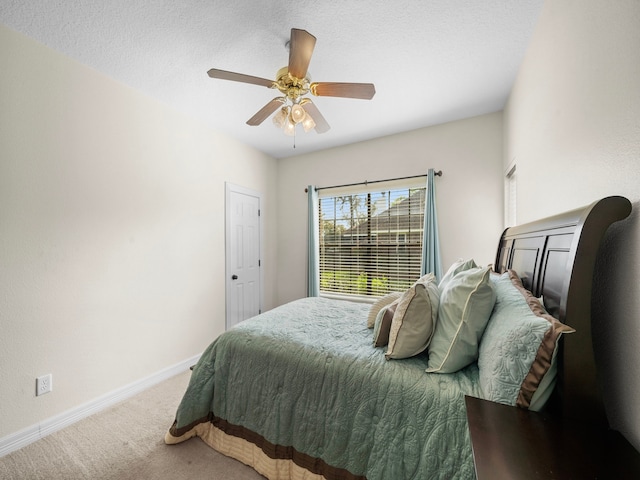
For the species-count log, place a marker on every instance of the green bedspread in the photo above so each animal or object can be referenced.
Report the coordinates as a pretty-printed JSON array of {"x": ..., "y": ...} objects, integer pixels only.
[{"x": 306, "y": 375}]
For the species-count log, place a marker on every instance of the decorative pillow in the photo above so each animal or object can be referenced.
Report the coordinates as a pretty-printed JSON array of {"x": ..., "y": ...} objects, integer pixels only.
[
  {"x": 517, "y": 359},
  {"x": 465, "y": 306},
  {"x": 382, "y": 325},
  {"x": 457, "y": 267},
  {"x": 378, "y": 304},
  {"x": 414, "y": 319}
]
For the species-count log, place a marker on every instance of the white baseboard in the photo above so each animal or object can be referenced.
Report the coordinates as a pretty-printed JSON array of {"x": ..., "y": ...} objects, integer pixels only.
[{"x": 24, "y": 437}]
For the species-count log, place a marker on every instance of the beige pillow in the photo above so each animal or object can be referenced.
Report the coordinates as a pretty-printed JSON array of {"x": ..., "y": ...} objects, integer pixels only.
[
  {"x": 378, "y": 304},
  {"x": 382, "y": 326},
  {"x": 465, "y": 307},
  {"x": 414, "y": 319}
]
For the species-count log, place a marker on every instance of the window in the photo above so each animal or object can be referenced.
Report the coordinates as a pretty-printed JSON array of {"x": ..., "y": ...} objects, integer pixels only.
[
  {"x": 510, "y": 196},
  {"x": 371, "y": 241}
]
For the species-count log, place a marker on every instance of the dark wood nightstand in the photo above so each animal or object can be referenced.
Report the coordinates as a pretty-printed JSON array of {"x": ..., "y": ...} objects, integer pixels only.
[{"x": 513, "y": 443}]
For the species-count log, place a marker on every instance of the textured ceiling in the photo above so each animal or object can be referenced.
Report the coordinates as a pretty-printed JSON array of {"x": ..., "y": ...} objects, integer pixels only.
[{"x": 432, "y": 61}]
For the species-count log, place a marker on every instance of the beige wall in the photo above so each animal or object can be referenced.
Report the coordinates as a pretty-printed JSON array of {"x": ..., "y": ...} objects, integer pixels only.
[
  {"x": 112, "y": 217},
  {"x": 572, "y": 125},
  {"x": 111, "y": 232},
  {"x": 469, "y": 194}
]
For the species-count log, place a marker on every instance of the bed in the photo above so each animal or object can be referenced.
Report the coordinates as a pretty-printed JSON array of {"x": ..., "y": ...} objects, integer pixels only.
[{"x": 302, "y": 392}]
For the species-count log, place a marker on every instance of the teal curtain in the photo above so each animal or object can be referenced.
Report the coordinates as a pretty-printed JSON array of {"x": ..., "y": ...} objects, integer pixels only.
[
  {"x": 313, "y": 268},
  {"x": 431, "y": 262}
]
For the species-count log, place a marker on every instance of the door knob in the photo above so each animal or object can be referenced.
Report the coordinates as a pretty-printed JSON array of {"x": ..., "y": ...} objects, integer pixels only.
[{"x": 234, "y": 277}]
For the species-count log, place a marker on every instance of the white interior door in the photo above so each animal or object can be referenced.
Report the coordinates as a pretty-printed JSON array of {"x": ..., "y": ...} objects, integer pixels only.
[{"x": 242, "y": 254}]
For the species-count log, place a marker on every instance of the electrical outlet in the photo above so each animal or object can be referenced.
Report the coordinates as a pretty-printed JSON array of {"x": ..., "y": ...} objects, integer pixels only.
[{"x": 44, "y": 384}]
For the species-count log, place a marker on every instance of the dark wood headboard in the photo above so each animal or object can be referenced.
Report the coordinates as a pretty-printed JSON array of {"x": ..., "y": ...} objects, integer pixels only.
[{"x": 555, "y": 259}]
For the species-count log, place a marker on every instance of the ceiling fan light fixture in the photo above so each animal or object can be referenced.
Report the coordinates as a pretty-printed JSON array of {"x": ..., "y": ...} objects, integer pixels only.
[
  {"x": 297, "y": 113},
  {"x": 281, "y": 117},
  {"x": 308, "y": 124},
  {"x": 289, "y": 127},
  {"x": 294, "y": 82}
]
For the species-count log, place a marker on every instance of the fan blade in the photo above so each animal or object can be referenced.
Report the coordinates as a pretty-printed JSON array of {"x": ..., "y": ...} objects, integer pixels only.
[
  {"x": 265, "y": 111},
  {"x": 239, "y": 77},
  {"x": 365, "y": 91},
  {"x": 321, "y": 124},
  {"x": 301, "y": 48}
]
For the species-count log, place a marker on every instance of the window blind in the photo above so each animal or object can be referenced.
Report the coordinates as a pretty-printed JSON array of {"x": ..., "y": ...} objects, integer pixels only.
[{"x": 371, "y": 241}]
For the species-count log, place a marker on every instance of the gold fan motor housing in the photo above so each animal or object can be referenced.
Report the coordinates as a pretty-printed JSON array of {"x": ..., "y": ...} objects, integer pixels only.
[{"x": 292, "y": 87}]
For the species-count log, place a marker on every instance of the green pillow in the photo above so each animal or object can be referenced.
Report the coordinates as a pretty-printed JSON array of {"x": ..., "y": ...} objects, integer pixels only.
[
  {"x": 465, "y": 306},
  {"x": 455, "y": 268},
  {"x": 414, "y": 319},
  {"x": 517, "y": 357}
]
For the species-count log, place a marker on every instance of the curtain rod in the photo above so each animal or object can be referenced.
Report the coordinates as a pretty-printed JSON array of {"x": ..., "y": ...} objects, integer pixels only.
[{"x": 438, "y": 174}]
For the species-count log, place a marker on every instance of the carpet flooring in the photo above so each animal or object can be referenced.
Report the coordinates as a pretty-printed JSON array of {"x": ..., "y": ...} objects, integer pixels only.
[{"x": 125, "y": 442}]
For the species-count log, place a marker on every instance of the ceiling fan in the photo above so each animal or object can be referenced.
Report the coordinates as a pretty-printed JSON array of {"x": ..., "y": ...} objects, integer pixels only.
[{"x": 294, "y": 83}]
